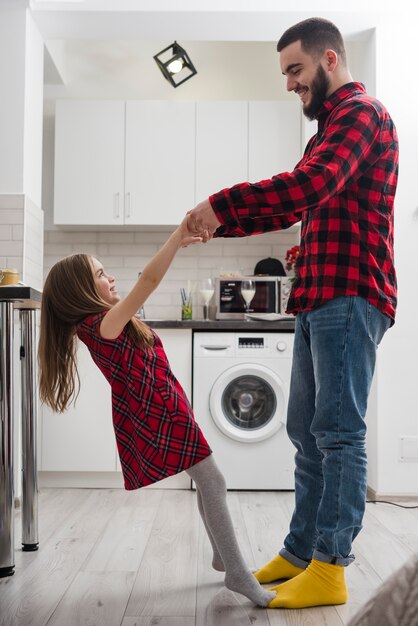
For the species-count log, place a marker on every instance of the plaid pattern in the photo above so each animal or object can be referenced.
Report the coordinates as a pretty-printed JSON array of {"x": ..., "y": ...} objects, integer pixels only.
[
  {"x": 153, "y": 420},
  {"x": 343, "y": 192}
]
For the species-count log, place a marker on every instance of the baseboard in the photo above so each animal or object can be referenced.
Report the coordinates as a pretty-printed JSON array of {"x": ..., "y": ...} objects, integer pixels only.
[
  {"x": 104, "y": 480},
  {"x": 394, "y": 497}
]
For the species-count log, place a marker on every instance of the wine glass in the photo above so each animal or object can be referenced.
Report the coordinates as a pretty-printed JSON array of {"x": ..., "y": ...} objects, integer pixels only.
[
  {"x": 247, "y": 292},
  {"x": 207, "y": 289}
]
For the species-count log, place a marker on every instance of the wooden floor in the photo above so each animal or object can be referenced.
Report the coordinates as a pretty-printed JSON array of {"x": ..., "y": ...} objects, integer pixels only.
[{"x": 109, "y": 557}]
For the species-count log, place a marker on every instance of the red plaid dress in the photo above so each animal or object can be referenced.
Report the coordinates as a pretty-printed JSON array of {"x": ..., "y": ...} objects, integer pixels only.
[{"x": 155, "y": 430}]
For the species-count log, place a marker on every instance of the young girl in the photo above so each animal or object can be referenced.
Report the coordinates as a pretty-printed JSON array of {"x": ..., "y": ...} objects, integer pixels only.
[{"x": 155, "y": 430}]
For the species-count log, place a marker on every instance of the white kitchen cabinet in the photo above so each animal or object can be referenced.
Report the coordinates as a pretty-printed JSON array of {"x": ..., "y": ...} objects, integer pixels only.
[
  {"x": 274, "y": 138},
  {"x": 221, "y": 146},
  {"x": 89, "y": 162},
  {"x": 82, "y": 440},
  {"x": 177, "y": 344},
  {"x": 123, "y": 163},
  {"x": 160, "y": 161},
  {"x": 149, "y": 162}
]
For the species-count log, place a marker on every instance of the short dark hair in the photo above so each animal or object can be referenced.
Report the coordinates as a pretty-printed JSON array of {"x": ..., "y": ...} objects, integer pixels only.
[{"x": 316, "y": 35}]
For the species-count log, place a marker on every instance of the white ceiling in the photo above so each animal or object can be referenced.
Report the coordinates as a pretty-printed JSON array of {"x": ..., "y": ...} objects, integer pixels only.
[
  {"x": 199, "y": 20},
  {"x": 101, "y": 42}
]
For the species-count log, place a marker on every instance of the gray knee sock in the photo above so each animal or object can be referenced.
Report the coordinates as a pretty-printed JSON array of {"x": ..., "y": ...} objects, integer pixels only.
[
  {"x": 238, "y": 576},
  {"x": 217, "y": 562}
]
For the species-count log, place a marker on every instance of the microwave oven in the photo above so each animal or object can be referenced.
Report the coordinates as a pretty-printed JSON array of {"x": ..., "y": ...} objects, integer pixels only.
[
  {"x": 231, "y": 305},
  {"x": 271, "y": 296}
]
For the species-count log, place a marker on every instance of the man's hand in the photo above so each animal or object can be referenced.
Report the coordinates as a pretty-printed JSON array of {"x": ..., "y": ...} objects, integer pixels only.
[
  {"x": 203, "y": 218},
  {"x": 188, "y": 236}
]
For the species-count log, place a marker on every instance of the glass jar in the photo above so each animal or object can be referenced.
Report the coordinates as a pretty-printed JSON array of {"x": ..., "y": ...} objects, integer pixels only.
[
  {"x": 9, "y": 276},
  {"x": 187, "y": 311}
]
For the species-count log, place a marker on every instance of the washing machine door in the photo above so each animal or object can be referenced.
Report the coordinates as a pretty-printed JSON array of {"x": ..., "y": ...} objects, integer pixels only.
[{"x": 248, "y": 402}]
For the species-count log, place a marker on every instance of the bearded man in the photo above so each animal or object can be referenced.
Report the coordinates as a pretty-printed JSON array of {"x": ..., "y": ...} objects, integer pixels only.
[{"x": 344, "y": 299}]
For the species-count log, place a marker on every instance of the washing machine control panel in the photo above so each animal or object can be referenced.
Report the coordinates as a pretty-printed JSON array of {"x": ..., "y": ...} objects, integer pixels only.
[
  {"x": 261, "y": 345},
  {"x": 251, "y": 342},
  {"x": 247, "y": 345}
]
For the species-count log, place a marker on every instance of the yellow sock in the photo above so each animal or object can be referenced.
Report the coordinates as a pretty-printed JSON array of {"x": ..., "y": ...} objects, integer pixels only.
[
  {"x": 277, "y": 568},
  {"x": 320, "y": 584}
]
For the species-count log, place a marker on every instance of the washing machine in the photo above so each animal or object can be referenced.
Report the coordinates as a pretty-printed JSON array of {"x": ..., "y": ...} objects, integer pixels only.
[{"x": 240, "y": 395}]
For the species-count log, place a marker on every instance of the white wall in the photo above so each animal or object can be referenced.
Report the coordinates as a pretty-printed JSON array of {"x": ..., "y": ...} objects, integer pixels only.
[
  {"x": 12, "y": 73},
  {"x": 33, "y": 112},
  {"x": 361, "y": 57},
  {"x": 239, "y": 70},
  {"x": 21, "y": 109},
  {"x": 397, "y": 411},
  {"x": 11, "y": 230},
  {"x": 127, "y": 70},
  {"x": 366, "y": 59},
  {"x": 33, "y": 245}
]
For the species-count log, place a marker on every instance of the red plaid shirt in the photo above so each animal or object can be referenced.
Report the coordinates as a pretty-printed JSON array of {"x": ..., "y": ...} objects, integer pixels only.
[{"x": 343, "y": 192}]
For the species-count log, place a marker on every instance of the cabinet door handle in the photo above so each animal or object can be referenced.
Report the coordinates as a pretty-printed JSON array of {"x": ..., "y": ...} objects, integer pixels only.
[
  {"x": 128, "y": 204},
  {"x": 117, "y": 208}
]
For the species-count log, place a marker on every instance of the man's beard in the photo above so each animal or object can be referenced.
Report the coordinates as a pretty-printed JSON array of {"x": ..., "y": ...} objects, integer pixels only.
[{"x": 319, "y": 89}]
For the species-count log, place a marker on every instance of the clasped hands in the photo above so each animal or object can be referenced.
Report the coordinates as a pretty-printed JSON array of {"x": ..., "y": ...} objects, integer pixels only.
[{"x": 202, "y": 221}]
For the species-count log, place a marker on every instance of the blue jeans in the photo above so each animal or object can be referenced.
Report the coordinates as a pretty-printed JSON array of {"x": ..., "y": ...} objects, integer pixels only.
[{"x": 334, "y": 358}]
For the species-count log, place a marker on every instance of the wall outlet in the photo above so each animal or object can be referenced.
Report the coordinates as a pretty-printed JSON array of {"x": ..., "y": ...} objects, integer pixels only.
[{"x": 408, "y": 449}]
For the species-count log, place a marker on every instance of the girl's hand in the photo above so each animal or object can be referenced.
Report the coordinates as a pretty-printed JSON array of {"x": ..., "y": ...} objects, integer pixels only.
[{"x": 191, "y": 239}]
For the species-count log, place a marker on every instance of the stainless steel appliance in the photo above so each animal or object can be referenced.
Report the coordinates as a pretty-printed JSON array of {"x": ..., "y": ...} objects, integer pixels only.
[
  {"x": 230, "y": 303},
  {"x": 271, "y": 296},
  {"x": 27, "y": 300},
  {"x": 285, "y": 286}
]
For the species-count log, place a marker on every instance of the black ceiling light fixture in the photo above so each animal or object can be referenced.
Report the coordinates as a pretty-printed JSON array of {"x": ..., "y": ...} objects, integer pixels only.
[{"x": 175, "y": 64}]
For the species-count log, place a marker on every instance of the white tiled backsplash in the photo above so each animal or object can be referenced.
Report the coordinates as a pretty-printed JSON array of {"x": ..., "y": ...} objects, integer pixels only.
[
  {"x": 11, "y": 230},
  {"x": 21, "y": 237},
  {"x": 33, "y": 245},
  {"x": 124, "y": 254}
]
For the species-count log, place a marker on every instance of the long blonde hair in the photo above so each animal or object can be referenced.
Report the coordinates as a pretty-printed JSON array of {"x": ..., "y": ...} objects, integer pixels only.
[{"x": 70, "y": 295}]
